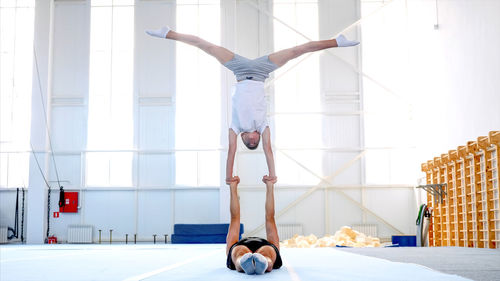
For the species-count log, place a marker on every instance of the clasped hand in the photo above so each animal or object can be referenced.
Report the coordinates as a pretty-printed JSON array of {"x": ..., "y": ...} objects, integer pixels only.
[
  {"x": 269, "y": 179},
  {"x": 235, "y": 179},
  {"x": 265, "y": 179}
]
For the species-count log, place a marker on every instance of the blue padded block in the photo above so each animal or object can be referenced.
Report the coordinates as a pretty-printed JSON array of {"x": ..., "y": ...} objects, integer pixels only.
[
  {"x": 198, "y": 239},
  {"x": 405, "y": 240},
  {"x": 203, "y": 229}
]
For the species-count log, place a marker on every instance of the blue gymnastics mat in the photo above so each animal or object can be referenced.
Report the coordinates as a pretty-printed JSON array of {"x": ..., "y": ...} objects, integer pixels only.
[
  {"x": 201, "y": 233},
  {"x": 198, "y": 239}
]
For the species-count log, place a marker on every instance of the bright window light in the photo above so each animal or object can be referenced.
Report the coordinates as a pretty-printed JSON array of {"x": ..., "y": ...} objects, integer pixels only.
[
  {"x": 197, "y": 120},
  {"x": 16, "y": 68},
  {"x": 110, "y": 121},
  {"x": 297, "y": 91},
  {"x": 389, "y": 122}
]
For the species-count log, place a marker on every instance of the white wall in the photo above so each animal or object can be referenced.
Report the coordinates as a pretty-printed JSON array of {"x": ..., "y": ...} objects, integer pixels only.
[
  {"x": 444, "y": 81},
  {"x": 460, "y": 68}
]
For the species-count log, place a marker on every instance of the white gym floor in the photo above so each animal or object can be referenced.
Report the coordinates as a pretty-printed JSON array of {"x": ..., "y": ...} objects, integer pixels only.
[{"x": 194, "y": 262}]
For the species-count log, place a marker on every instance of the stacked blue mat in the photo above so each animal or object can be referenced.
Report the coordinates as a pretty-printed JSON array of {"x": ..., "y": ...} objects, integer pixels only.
[{"x": 201, "y": 233}]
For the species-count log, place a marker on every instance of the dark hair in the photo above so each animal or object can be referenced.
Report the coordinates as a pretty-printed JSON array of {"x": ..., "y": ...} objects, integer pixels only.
[{"x": 251, "y": 147}]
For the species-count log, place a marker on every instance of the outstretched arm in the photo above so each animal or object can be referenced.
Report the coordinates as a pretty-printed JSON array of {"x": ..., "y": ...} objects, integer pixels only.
[
  {"x": 268, "y": 151},
  {"x": 231, "y": 152}
]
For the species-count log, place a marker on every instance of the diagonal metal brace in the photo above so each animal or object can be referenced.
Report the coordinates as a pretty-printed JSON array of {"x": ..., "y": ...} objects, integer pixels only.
[{"x": 437, "y": 190}]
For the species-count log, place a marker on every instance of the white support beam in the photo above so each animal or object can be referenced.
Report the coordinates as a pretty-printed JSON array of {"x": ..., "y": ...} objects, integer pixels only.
[
  {"x": 37, "y": 191},
  {"x": 229, "y": 33},
  {"x": 327, "y": 212}
]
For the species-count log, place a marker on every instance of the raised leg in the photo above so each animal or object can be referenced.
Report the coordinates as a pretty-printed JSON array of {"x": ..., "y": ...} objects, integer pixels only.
[
  {"x": 265, "y": 256},
  {"x": 233, "y": 233},
  {"x": 271, "y": 230},
  {"x": 280, "y": 58},
  {"x": 241, "y": 255},
  {"x": 222, "y": 54}
]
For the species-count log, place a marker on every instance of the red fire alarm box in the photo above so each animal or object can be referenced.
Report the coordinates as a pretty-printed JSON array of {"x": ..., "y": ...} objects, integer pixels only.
[
  {"x": 52, "y": 240},
  {"x": 70, "y": 203}
]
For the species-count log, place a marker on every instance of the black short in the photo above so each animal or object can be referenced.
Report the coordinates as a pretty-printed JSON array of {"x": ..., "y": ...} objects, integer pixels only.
[{"x": 254, "y": 243}]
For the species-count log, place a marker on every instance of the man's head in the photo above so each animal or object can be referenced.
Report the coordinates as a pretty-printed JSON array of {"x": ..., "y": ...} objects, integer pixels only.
[{"x": 251, "y": 139}]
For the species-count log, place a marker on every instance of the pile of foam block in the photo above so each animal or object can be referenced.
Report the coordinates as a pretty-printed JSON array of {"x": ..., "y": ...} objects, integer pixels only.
[{"x": 346, "y": 236}]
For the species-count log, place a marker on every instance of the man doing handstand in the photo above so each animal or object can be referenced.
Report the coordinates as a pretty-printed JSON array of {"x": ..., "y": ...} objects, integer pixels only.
[{"x": 249, "y": 116}]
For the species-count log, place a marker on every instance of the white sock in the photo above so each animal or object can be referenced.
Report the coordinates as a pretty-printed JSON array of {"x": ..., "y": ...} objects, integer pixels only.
[
  {"x": 161, "y": 33},
  {"x": 260, "y": 263},
  {"x": 343, "y": 42},
  {"x": 247, "y": 264}
]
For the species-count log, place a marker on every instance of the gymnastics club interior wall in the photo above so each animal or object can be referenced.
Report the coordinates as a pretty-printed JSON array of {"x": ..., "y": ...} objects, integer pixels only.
[{"x": 468, "y": 214}]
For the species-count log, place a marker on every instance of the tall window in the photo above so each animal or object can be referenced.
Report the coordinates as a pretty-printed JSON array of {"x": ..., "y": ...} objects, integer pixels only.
[
  {"x": 389, "y": 122},
  {"x": 297, "y": 92},
  {"x": 197, "y": 95},
  {"x": 110, "y": 126},
  {"x": 16, "y": 66}
]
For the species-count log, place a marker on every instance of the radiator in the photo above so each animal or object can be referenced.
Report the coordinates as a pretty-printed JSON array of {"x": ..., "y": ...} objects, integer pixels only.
[
  {"x": 80, "y": 233},
  {"x": 287, "y": 231},
  {"x": 368, "y": 229},
  {"x": 3, "y": 234}
]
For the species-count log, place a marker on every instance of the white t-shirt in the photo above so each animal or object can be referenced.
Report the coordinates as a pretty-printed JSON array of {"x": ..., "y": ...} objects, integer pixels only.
[{"x": 249, "y": 107}]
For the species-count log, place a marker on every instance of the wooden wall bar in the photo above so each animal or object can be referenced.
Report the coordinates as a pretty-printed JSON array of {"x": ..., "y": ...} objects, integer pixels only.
[
  {"x": 492, "y": 175},
  {"x": 469, "y": 214}
]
